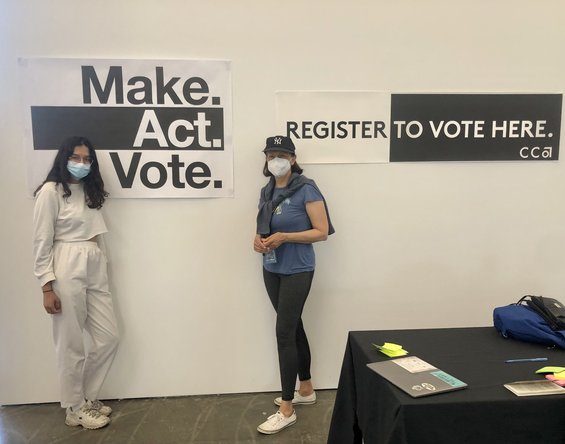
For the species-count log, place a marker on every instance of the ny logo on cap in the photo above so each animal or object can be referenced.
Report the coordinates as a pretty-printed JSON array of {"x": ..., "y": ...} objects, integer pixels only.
[{"x": 278, "y": 140}]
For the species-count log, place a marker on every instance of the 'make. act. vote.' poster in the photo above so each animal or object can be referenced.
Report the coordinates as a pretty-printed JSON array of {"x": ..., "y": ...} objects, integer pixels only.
[{"x": 161, "y": 128}]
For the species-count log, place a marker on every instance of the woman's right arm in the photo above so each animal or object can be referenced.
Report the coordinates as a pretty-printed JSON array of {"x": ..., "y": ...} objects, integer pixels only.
[
  {"x": 257, "y": 241},
  {"x": 45, "y": 214}
]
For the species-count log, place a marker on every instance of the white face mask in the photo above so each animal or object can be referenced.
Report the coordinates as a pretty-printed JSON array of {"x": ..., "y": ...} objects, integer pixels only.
[{"x": 278, "y": 166}]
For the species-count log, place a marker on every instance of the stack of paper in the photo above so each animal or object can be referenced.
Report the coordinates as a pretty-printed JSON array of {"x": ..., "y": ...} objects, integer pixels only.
[
  {"x": 534, "y": 388},
  {"x": 391, "y": 350}
]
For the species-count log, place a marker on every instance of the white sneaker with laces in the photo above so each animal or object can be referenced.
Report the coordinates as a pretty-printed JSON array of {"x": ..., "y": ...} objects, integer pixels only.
[
  {"x": 104, "y": 409},
  {"x": 277, "y": 422},
  {"x": 86, "y": 417},
  {"x": 299, "y": 399}
]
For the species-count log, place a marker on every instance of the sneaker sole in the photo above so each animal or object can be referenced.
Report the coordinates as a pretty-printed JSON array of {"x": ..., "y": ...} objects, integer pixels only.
[
  {"x": 276, "y": 401},
  {"x": 272, "y": 432},
  {"x": 72, "y": 424}
]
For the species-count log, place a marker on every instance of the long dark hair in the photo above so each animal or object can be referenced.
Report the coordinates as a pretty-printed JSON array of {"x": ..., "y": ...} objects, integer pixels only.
[
  {"x": 93, "y": 184},
  {"x": 294, "y": 168}
]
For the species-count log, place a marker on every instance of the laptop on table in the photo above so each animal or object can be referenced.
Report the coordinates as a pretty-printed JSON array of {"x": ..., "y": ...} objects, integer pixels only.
[{"x": 416, "y": 377}]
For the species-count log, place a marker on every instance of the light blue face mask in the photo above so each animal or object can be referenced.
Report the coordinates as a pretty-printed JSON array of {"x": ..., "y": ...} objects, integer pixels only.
[{"x": 78, "y": 170}]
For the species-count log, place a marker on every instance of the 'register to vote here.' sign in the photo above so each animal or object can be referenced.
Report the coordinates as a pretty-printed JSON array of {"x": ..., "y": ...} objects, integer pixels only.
[
  {"x": 161, "y": 128},
  {"x": 369, "y": 126}
]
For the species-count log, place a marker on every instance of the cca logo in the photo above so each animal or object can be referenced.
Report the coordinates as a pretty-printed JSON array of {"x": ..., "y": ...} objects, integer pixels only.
[{"x": 535, "y": 152}]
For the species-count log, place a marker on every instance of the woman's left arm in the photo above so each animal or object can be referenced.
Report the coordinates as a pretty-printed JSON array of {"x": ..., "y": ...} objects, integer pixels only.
[{"x": 319, "y": 232}]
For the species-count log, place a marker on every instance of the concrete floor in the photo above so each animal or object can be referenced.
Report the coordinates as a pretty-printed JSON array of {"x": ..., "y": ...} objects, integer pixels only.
[{"x": 218, "y": 419}]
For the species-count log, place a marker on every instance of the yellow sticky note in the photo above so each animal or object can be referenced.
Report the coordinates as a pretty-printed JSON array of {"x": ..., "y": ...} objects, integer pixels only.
[
  {"x": 395, "y": 353},
  {"x": 559, "y": 375},
  {"x": 551, "y": 369},
  {"x": 391, "y": 350},
  {"x": 392, "y": 347}
]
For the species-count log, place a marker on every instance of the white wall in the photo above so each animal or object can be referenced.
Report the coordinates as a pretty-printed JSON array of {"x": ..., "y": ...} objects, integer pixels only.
[{"x": 418, "y": 245}]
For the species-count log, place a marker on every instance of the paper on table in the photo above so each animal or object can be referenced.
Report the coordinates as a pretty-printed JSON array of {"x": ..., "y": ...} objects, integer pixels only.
[
  {"x": 534, "y": 388},
  {"x": 391, "y": 350}
]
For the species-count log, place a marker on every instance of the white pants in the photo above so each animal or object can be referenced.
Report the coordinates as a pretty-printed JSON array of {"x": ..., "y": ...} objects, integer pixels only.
[{"x": 86, "y": 304}]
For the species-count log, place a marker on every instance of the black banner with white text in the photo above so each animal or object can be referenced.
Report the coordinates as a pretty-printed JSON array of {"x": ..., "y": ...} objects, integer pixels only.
[{"x": 435, "y": 127}]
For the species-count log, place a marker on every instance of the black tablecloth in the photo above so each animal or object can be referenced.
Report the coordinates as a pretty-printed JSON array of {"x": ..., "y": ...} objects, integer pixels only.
[{"x": 371, "y": 410}]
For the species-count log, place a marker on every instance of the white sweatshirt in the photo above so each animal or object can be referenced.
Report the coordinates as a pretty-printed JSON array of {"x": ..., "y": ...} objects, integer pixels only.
[{"x": 56, "y": 218}]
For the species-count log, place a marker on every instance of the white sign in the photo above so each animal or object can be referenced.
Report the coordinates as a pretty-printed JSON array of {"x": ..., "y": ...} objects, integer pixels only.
[
  {"x": 161, "y": 128},
  {"x": 366, "y": 127},
  {"x": 336, "y": 126}
]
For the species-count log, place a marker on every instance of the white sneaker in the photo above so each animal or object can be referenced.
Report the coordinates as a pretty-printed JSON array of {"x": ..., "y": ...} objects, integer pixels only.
[
  {"x": 86, "y": 417},
  {"x": 277, "y": 422},
  {"x": 299, "y": 399},
  {"x": 104, "y": 409}
]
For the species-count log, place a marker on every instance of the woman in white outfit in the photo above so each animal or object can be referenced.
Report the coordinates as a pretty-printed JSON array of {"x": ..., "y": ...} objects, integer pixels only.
[{"x": 72, "y": 272}]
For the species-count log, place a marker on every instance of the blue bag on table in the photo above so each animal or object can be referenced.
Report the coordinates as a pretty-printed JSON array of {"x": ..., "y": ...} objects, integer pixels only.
[{"x": 521, "y": 322}]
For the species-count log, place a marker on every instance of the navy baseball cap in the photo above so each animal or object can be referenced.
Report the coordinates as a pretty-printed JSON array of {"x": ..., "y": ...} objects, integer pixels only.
[{"x": 279, "y": 143}]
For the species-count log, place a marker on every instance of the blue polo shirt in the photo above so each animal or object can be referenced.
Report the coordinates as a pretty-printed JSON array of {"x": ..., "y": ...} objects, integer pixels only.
[{"x": 290, "y": 217}]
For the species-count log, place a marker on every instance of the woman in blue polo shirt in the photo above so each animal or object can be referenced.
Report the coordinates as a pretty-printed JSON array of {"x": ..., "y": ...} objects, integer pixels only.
[{"x": 292, "y": 216}]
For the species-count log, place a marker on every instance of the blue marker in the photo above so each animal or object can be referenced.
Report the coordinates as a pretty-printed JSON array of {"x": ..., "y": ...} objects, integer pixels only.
[{"x": 526, "y": 360}]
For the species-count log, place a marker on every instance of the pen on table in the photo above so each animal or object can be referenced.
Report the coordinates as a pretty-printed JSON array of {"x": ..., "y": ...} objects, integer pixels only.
[{"x": 526, "y": 360}]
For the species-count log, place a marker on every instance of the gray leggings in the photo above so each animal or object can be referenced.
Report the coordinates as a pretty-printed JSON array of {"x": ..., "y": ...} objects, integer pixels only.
[{"x": 288, "y": 294}]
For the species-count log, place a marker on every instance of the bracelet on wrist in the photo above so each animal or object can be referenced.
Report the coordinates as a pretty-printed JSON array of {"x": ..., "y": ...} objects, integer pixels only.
[{"x": 47, "y": 291}]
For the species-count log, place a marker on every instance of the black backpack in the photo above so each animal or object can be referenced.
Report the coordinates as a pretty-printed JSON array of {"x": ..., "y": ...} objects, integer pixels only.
[{"x": 551, "y": 310}]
